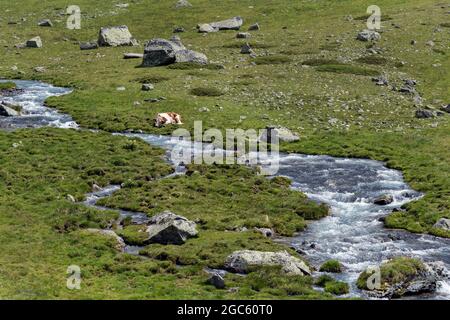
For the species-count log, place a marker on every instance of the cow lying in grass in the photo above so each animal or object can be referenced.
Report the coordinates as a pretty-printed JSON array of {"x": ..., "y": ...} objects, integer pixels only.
[{"x": 163, "y": 119}]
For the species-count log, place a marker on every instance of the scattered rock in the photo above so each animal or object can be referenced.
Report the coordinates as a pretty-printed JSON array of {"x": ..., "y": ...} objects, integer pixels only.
[
  {"x": 206, "y": 28},
  {"x": 71, "y": 198},
  {"x": 284, "y": 134},
  {"x": 243, "y": 35},
  {"x": 96, "y": 188},
  {"x": 7, "y": 111},
  {"x": 368, "y": 35},
  {"x": 413, "y": 42},
  {"x": 240, "y": 261},
  {"x": 430, "y": 43},
  {"x": 45, "y": 23},
  {"x": 381, "y": 80},
  {"x": 182, "y": 4},
  {"x": 160, "y": 52},
  {"x": 229, "y": 24},
  {"x": 179, "y": 30},
  {"x": 39, "y": 69},
  {"x": 88, "y": 45},
  {"x": 147, "y": 87},
  {"x": 266, "y": 232},
  {"x": 384, "y": 200},
  {"x": 217, "y": 281},
  {"x": 246, "y": 49},
  {"x": 446, "y": 108},
  {"x": 121, "y": 88},
  {"x": 169, "y": 228},
  {"x": 116, "y": 36},
  {"x": 35, "y": 42},
  {"x": 120, "y": 245},
  {"x": 424, "y": 114},
  {"x": 254, "y": 27},
  {"x": 133, "y": 56},
  {"x": 443, "y": 224}
]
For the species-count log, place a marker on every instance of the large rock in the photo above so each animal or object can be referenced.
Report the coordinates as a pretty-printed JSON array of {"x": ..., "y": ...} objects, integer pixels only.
[
  {"x": 241, "y": 261},
  {"x": 35, "y": 42},
  {"x": 424, "y": 114},
  {"x": 120, "y": 244},
  {"x": 160, "y": 52},
  {"x": 284, "y": 134},
  {"x": 116, "y": 36},
  {"x": 443, "y": 224},
  {"x": 229, "y": 24},
  {"x": 206, "y": 28},
  {"x": 7, "y": 111},
  {"x": 368, "y": 35},
  {"x": 169, "y": 228},
  {"x": 190, "y": 56},
  {"x": 384, "y": 200}
]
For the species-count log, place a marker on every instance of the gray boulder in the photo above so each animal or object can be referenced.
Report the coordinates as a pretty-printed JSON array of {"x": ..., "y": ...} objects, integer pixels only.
[
  {"x": 243, "y": 35},
  {"x": 246, "y": 49},
  {"x": 217, "y": 281},
  {"x": 159, "y": 52},
  {"x": 254, "y": 27},
  {"x": 241, "y": 261},
  {"x": 190, "y": 56},
  {"x": 88, "y": 45},
  {"x": 368, "y": 35},
  {"x": 116, "y": 36},
  {"x": 443, "y": 224},
  {"x": 384, "y": 200},
  {"x": 35, "y": 42},
  {"x": 169, "y": 228},
  {"x": 206, "y": 28},
  {"x": 424, "y": 114},
  {"x": 446, "y": 108},
  {"x": 147, "y": 87},
  {"x": 7, "y": 111},
  {"x": 284, "y": 134},
  {"x": 266, "y": 232},
  {"x": 229, "y": 24}
]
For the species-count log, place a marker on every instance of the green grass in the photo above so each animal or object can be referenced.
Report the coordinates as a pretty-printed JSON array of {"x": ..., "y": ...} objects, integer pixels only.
[
  {"x": 337, "y": 287},
  {"x": 193, "y": 66},
  {"x": 206, "y": 92},
  {"x": 373, "y": 123},
  {"x": 331, "y": 266},
  {"x": 394, "y": 271},
  {"x": 347, "y": 69},
  {"x": 375, "y": 60},
  {"x": 320, "y": 62},
  {"x": 7, "y": 85}
]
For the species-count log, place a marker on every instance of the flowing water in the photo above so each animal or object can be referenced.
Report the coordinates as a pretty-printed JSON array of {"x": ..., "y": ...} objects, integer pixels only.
[{"x": 353, "y": 233}]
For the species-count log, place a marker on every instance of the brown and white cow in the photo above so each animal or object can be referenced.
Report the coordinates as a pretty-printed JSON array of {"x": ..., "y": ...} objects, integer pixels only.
[{"x": 163, "y": 119}]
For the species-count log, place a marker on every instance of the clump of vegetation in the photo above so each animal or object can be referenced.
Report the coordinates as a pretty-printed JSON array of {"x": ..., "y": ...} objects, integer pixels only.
[
  {"x": 320, "y": 62},
  {"x": 268, "y": 60},
  {"x": 375, "y": 60},
  {"x": 331, "y": 266},
  {"x": 152, "y": 79},
  {"x": 133, "y": 234},
  {"x": 337, "y": 287},
  {"x": 9, "y": 85},
  {"x": 394, "y": 271},
  {"x": 348, "y": 69},
  {"x": 193, "y": 66},
  {"x": 206, "y": 92},
  {"x": 323, "y": 280},
  {"x": 223, "y": 197}
]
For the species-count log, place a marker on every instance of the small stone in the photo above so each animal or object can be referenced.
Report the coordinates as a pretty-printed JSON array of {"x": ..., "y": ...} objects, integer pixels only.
[
  {"x": 182, "y": 4},
  {"x": 206, "y": 28},
  {"x": 71, "y": 198},
  {"x": 39, "y": 69},
  {"x": 179, "y": 30},
  {"x": 121, "y": 88},
  {"x": 254, "y": 27},
  {"x": 133, "y": 55},
  {"x": 368, "y": 35},
  {"x": 35, "y": 42},
  {"x": 246, "y": 49},
  {"x": 384, "y": 200},
  {"x": 430, "y": 43},
  {"x": 88, "y": 45},
  {"x": 243, "y": 35},
  {"x": 217, "y": 281},
  {"x": 45, "y": 23},
  {"x": 147, "y": 87}
]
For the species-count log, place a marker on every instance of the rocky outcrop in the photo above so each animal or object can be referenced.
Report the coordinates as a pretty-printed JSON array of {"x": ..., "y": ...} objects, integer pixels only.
[
  {"x": 241, "y": 261},
  {"x": 443, "y": 224},
  {"x": 169, "y": 228},
  {"x": 160, "y": 52},
  {"x": 116, "y": 36},
  {"x": 120, "y": 244},
  {"x": 284, "y": 134},
  {"x": 368, "y": 35}
]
